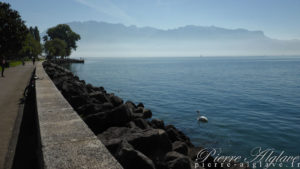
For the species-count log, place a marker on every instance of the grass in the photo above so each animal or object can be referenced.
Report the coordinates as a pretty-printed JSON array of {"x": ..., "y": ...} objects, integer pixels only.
[{"x": 13, "y": 63}]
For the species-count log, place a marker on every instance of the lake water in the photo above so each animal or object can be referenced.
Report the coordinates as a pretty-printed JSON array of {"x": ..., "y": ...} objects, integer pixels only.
[{"x": 250, "y": 102}]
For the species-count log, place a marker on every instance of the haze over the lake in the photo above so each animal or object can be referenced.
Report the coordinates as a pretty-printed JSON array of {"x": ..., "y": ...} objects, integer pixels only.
[{"x": 172, "y": 27}]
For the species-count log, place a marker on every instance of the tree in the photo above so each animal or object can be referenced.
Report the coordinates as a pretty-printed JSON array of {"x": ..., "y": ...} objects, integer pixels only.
[
  {"x": 64, "y": 32},
  {"x": 45, "y": 38},
  {"x": 35, "y": 33},
  {"x": 31, "y": 47},
  {"x": 55, "y": 47},
  {"x": 13, "y": 31}
]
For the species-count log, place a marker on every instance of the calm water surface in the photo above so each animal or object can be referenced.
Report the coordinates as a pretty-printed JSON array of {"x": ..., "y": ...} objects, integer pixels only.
[{"x": 250, "y": 102}]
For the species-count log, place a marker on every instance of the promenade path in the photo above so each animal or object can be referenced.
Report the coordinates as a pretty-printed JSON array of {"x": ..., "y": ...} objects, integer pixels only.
[{"x": 11, "y": 91}]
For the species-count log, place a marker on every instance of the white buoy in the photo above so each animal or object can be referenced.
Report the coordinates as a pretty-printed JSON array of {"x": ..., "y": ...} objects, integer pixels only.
[{"x": 201, "y": 118}]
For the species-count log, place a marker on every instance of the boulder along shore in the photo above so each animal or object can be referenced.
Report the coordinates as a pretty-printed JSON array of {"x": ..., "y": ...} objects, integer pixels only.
[{"x": 125, "y": 128}]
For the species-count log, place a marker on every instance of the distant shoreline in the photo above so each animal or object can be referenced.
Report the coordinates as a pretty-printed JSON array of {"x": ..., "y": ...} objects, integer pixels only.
[{"x": 205, "y": 57}]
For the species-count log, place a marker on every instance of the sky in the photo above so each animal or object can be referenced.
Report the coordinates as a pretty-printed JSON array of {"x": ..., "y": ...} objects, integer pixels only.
[{"x": 279, "y": 19}]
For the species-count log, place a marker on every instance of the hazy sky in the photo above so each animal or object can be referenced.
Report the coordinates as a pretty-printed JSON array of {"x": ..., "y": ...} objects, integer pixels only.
[{"x": 277, "y": 18}]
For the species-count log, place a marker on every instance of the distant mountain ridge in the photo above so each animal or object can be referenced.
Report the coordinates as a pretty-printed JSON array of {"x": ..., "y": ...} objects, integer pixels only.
[
  {"x": 108, "y": 39},
  {"x": 93, "y": 30}
]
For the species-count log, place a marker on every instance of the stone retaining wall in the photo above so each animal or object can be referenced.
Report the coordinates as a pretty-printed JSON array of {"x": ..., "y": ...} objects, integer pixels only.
[{"x": 66, "y": 141}]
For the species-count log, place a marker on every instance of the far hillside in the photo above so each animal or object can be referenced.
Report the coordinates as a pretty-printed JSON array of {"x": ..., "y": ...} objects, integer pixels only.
[{"x": 107, "y": 39}]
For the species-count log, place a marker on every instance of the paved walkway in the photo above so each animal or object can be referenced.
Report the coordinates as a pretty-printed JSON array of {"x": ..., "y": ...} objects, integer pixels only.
[{"x": 11, "y": 91}]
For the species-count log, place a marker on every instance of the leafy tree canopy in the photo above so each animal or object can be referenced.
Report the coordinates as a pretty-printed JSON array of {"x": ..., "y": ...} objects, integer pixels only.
[
  {"x": 55, "y": 47},
  {"x": 64, "y": 32},
  {"x": 31, "y": 47},
  {"x": 35, "y": 33},
  {"x": 13, "y": 31}
]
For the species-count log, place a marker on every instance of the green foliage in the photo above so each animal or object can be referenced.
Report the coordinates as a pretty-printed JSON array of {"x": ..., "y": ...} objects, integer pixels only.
[
  {"x": 64, "y": 32},
  {"x": 35, "y": 33},
  {"x": 55, "y": 47},
  {"x": 13, "y": 64},
  {"x": 45, "y": 38},
  {"x": 31, "y": 46},
  {"x": 13, "y": 31}
]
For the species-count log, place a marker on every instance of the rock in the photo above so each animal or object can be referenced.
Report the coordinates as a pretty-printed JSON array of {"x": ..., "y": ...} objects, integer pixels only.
[
  {"x": 76, "y": 78},
  {"x": 150, "y": 141},
  {"x": 131, "y": 124},
  {"x": 99, "y": 122},
  {"x": 137, "y": 115},
  {"x": 158, "y": 124},
  {"x": 101, "y": 88},
  {"x": 180, "y": 147},
  {"x": 67, "y": 89},
  {"x": 99, "y": 96},
  {"x": 131, "y": 105},
  {"x": 115, "y": 100},
  {"x": 172, "y": 155},
  {"x": 90, "y": 88},
  {"x": 86, "y": 109},
  {"x": 147, "y": 113},
  {"x": 59, "y": 81},
  {"x": 141, "y": 123},
  {"x": 83, "y": 82},
  {"x": 80, "y": 87},
  {"x": 193, "y": 152},
  {"x": 73, "y": 89},
  {"x": 94, "y": 101},
  {"x": 91, "y": 107},
  {"x": 77, "y": 101},
  {"x": 107, "y": 106},
  {"x": 119, "y": 115},
  {"x": 160, "y": 164},
  {"x": 176, "y": 160},
  {"x": 130, "y": 158},
  {"x": 140, "y": 105},
  {"x": 175, "y": 135},
  {"x": 139, "y": 110}
]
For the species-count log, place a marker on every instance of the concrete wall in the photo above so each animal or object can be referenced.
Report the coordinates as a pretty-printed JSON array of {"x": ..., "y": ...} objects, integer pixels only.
[{"x": 66, "y": 141}]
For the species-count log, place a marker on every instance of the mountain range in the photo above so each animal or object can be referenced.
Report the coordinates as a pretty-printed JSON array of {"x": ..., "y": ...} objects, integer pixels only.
[{"x": 108, "y": 39}]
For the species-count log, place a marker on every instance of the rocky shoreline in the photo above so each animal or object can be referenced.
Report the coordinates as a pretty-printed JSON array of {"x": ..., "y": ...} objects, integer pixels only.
[
  {"x": 125, "y": 128},
  {"x": 67, "y": 61}
]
